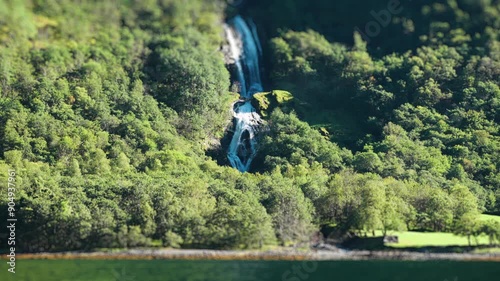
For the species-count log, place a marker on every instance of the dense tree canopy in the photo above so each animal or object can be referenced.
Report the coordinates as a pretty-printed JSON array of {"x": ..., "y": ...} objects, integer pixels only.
[{"x": 415, "y": 103}]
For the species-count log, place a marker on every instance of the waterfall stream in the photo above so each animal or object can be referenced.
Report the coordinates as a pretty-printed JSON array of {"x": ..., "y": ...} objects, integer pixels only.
[{"x": 245, "y": 49}]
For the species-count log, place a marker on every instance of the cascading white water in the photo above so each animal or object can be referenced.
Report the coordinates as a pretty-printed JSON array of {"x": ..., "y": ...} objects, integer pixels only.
[{"x": 245, "y": 50}]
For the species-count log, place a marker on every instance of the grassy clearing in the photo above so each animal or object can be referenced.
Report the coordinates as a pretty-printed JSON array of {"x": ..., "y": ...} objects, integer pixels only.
[
  {"x": 408, "y": 239},
  {"x": 490, "y": 217}
]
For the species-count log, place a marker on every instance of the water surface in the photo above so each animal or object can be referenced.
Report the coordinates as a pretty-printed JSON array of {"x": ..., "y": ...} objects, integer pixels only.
[{"x": 175, "y": 270}]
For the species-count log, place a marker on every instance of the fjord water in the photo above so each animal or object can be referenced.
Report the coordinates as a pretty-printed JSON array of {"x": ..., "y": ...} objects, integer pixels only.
[
  {"x": 177, "y": 270},
  {"x": 246, "y": 50}
]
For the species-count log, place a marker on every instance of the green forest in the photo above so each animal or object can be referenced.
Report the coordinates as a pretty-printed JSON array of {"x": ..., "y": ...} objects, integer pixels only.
[{"x": 115, "y": 115}]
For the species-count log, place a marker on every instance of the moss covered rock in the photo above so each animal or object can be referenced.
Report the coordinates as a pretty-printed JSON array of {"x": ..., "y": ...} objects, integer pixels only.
[{"x": 266, "y": 102}]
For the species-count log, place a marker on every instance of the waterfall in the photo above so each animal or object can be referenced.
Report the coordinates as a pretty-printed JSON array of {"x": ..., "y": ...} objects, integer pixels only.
[
  {"x": 235, "y": 50},
  {"x": 250, "y": 57},
  {"x": 245, "y": 50}
]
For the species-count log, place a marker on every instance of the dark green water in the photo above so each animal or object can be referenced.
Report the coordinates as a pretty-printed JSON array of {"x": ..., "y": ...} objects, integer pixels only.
[{"x": 166, "y": 270}]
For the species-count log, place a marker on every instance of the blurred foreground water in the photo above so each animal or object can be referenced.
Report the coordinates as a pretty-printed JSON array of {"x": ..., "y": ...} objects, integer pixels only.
[{"x": 170, "y": 270}]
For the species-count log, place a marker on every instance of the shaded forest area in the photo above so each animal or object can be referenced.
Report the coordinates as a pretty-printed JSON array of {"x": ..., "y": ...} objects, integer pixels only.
[{"x": 108, "y": 109}]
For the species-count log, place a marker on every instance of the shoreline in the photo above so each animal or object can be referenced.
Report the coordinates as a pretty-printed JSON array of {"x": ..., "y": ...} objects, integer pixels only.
[{"x": 271, "y": 255}]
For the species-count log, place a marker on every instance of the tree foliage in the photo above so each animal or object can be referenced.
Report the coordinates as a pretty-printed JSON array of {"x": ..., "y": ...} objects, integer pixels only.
[{"x": 108, "y": 108}]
